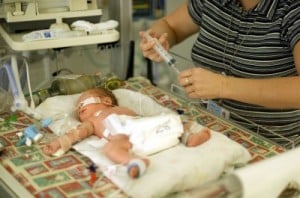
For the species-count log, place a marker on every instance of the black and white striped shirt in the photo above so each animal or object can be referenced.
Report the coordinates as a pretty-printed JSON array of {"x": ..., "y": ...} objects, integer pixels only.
[{"x": 252, "y": 44}]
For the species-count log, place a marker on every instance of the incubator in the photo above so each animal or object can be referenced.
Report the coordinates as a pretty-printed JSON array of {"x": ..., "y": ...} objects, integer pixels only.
[
  {"x": 61, "y": 85},
  {"x": 10, "y": 65},
  {"x": 38, "y": 14},
  {"x": 38, "y": 20},
  {"x": 32, "y": 25},
  {"x": 75, "y": 83}
]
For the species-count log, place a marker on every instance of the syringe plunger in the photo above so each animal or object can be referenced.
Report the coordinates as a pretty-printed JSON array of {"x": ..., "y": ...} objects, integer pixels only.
[{"x": 162, "y": 52}]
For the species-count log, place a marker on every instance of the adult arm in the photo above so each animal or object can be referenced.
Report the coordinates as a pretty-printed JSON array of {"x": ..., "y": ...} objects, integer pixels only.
[
  {"x": 169, "y": 31},
  {"x": 178, "y": 25}
]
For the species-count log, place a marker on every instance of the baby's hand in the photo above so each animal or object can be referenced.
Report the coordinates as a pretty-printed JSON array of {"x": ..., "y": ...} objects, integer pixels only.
[{"x": 52, "y": 147}]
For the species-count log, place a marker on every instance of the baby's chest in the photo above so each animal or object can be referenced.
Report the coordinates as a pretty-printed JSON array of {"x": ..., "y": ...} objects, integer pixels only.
[{"x": 98, "y": 122}]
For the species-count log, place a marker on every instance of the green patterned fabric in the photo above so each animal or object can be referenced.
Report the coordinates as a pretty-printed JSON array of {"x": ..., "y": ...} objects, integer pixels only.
[{"x": 68, "y": 175}]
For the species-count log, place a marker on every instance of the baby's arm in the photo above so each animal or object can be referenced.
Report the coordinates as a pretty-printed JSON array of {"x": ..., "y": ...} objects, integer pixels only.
[
  {"x": 123, "y": 111},
  {"x": 65, "y": 142}
]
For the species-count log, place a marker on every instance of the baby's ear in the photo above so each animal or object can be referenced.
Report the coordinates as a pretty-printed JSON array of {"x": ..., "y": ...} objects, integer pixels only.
[{"x": 107, "y": 101}]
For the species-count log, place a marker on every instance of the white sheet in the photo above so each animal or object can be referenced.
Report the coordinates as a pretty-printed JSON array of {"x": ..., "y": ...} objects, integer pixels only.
[
  {"x": 172, "y": 170},
  {"x": 63, "y": 107}
]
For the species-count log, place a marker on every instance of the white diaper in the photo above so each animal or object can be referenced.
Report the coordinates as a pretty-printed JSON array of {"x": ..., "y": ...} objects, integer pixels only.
[{"x": 147, "y": 134}]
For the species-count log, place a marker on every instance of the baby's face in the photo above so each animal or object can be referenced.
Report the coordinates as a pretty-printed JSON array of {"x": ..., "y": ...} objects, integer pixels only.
[
  {"x": 88, "y": 106},
  {"x": 90, "y": 102}
]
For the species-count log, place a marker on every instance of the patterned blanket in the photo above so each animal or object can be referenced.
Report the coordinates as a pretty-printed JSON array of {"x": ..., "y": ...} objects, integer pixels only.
[{"x": 68, "y": 175}]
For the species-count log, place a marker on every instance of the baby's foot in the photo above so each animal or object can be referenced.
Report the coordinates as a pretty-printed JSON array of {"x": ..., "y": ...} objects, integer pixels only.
[
  {"x": 196, "y": 139},
  {"x": 137, "y": 167}
]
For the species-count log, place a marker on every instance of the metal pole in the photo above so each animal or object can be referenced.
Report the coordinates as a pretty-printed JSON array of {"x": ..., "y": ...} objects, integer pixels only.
[{"x": 121, "y": 10}]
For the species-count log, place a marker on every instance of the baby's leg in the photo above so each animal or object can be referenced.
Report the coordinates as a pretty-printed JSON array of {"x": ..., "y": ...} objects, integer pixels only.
[
  {"x": 194, "y": 134},
  {"x": 118, "y": 149}
]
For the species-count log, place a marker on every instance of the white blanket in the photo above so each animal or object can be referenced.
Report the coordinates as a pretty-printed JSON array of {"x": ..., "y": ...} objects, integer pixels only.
[
  {"x": 172, "y": 170},
  {"x": 175, "y": 169}
]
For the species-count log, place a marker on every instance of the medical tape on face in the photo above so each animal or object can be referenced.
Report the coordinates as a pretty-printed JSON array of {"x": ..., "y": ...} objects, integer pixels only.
[{"x": 89, "y": 100}]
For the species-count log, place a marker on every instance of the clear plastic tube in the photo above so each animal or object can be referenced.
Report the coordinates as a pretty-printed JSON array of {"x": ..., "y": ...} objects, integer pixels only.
[
  {"x": 13, "y": 75},
  {"x": 19, "y": 103}
]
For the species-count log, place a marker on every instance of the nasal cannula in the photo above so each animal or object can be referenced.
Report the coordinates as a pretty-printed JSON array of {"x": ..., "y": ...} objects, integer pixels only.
[{"x": 162, "y": 52}]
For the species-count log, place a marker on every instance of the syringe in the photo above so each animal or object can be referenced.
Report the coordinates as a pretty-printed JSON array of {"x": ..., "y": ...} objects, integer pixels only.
[{"x": 162, "y": 52}]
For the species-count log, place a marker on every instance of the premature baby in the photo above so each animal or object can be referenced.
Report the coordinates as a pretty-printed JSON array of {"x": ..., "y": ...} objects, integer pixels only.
[{"x": 100, "y": 115}]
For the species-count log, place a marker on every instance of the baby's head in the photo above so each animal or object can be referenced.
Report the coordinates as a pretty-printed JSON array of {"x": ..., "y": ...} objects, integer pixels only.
[
  {"x": 94, "y": 100},
  {"x": 98, "y": 93}
]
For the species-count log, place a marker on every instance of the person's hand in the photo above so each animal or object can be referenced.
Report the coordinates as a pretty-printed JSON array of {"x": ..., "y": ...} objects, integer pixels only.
[
  {"x": 147, "y": 46},
  {"x": 51, "y": 148},
  {"x": 201, "y": 83}
]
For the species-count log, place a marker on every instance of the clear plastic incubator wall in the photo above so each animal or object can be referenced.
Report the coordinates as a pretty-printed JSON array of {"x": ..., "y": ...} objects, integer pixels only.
[{"x": 50, "y": 38}]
